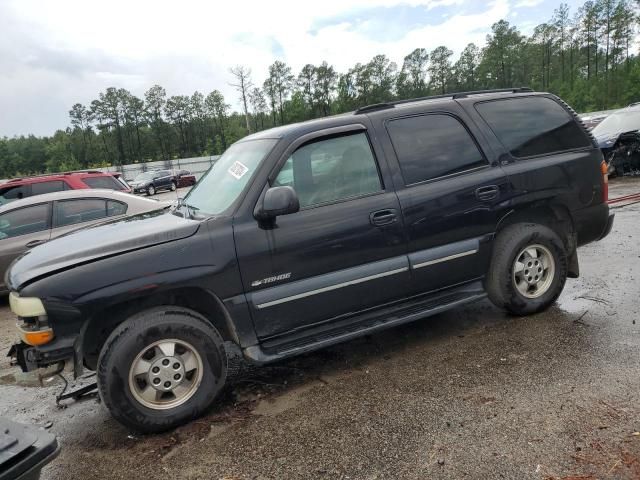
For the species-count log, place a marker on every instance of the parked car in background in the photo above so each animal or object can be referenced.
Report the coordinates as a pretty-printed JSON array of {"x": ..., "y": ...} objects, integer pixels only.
[
  {"x": 18, "y": 188},
  {"x": 35, "y": 220},
  {"x": 152, "y": 181},
  {"x": 315, "y": 233},
  {"x": 184, "y": 178},
  {"x": 618, "y": 137},
  {"x": 592, "y": 119}
]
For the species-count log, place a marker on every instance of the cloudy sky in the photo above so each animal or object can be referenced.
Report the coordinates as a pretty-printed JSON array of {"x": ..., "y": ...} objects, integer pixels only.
[{"x": 57, "y": 53}]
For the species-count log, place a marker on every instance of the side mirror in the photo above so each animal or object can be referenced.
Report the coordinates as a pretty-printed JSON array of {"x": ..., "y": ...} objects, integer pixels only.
[{"x": 278, "y": 201}]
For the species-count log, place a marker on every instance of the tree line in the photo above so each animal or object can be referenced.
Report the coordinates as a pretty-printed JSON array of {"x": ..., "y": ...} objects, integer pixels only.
[{"x": 587, "y": 57}]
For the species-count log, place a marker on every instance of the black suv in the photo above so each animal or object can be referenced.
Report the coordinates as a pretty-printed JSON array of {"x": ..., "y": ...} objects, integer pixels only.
[
  {"x": 154, "y": 180},
  {"x": 311, "y": 234}
]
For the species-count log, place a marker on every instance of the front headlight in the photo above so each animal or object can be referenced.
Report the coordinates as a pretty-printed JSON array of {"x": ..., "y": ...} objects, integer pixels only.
[{"x": 26, "y": 306}]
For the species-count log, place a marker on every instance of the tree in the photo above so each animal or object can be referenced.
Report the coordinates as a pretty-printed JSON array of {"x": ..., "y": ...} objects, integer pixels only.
[
  {"x": 501, "y": 55},
  {"x": 258, "y": 106},
  {"x": 243, "y": 84},
  {"x": 307, "y": 84},
  {"x": 155, "y": 100},
  {"x": 412, "y": 79},
  {"x": 325, "y": 84},
  {"x": 281, "y": 83},
  {"x": 440, "y": 68},
  {"x": 466, "y": 68},
  {"x": 218, "y": 110}
]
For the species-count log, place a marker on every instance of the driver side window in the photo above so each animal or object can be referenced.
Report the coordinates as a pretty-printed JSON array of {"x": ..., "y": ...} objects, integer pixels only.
[{"x": 331, "y": 169}]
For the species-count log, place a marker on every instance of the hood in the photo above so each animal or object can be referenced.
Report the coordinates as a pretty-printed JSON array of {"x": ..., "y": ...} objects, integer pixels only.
[
  {"x": 607, "y": 140},
  {"x": 94, "y": 243}
]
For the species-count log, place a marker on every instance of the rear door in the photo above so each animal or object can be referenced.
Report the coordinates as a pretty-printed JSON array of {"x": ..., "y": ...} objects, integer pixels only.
[
  {"x": 342, "y": 253},
  {"x": 450, "y": 190},
  {"x": 21, "y": 229}
]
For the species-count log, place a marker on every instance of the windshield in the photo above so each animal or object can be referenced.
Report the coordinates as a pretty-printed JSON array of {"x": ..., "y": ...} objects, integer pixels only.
[
  {"x": 225, "y": 180},
  {"x": 619, "y": 122},
  {"x": 144, "y": 176}
]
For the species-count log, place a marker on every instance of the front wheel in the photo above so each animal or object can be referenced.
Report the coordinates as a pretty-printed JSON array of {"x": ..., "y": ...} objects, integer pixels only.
[
  {"x": 528, "y": 268},
  {"x": 161, "y": 368},
  {"x": 151, "y": 190}
]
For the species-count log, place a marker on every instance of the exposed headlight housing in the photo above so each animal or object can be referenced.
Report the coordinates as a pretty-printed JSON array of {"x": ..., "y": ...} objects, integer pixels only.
[{"x": 26, "y": 306}]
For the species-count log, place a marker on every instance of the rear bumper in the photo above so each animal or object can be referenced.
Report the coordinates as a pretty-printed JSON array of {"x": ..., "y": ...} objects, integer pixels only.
[
  {"x": 609, "y": 226},
  {"x": 592, "y": 223}
]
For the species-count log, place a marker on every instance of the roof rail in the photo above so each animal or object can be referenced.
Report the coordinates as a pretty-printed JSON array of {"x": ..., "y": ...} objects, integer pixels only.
[
  {"x": 385, "y": 105},
  {"x": 374, "y": 107},
  {"x": 498, "y": 90}
]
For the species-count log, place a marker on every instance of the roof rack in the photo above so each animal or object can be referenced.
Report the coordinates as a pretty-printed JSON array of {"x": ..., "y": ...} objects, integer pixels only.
[{"x": 454, "y": 96}]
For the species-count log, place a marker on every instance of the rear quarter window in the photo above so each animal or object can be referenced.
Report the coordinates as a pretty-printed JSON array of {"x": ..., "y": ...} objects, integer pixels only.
[
  {"x": 532, "y": 126},
  {"x": 107, "y": 182}
]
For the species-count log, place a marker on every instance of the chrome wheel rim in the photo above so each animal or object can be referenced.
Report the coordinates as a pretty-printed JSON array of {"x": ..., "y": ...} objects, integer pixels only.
[
  {"x": 165, "y": 374},
  {"x": 152, "y": 190},
  {"x": 533, "y": 271},
  {"x": 173, "y": 187}
]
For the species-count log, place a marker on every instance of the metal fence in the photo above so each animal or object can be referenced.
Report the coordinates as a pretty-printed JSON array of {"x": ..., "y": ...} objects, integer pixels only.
[{"x": 196, "y": 165}]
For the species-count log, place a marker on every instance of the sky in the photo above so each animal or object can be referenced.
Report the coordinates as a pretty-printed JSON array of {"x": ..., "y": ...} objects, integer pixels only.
[{"x": 54, "y": 54}]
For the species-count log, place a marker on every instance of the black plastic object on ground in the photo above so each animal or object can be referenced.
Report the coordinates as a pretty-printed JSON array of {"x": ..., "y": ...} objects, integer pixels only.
[{"x": 24, "y": 450}]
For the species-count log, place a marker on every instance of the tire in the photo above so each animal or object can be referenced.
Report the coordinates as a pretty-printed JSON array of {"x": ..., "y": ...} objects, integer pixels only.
[
  {"x": 173, "y": 186},
  {"x": 508, "y": 286},
  {"x": 136, "y": 341},
  {"x": 151, "y": 191}
]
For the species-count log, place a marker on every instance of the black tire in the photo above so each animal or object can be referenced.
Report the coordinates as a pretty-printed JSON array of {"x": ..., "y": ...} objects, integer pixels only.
[
  {"x": 134, "y": 336},
  {"x": 151, "y": 191},
  {"x": 174, "y": 187},
  {"x": 500, "y": 283}
]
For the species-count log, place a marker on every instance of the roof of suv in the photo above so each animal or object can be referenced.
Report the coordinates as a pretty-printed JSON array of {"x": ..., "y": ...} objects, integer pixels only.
[
  {"x": 57, "y": 176},
  {"x": 295, "y": 129}
]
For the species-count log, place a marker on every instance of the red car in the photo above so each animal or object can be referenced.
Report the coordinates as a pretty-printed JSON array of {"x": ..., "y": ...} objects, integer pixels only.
[
  {"x": 56, "y": 182},
  {"x": 184, "y": 178}
]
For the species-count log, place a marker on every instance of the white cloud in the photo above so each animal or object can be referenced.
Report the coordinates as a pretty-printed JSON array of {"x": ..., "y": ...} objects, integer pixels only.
[
  {"x": 528, "y": 3},
  {"x": 54, "y": 54}
]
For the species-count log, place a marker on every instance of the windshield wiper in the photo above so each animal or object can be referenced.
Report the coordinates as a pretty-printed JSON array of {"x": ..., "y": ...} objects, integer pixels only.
[{"x": 192, "y": 211}]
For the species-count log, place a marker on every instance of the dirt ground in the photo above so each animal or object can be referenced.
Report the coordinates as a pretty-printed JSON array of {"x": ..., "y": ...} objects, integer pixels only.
[{"x": 472, "y": 393}]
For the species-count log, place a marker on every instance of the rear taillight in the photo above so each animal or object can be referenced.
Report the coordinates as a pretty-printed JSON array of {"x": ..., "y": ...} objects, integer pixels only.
[{"x": 605, "y": 181}]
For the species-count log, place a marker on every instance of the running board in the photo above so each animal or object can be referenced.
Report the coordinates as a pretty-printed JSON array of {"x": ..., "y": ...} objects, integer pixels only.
[{"x": 321, "y": 337}]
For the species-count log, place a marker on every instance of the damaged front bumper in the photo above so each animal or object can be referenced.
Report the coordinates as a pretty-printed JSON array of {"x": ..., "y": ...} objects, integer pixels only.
[{"x": 31, "y": 358}]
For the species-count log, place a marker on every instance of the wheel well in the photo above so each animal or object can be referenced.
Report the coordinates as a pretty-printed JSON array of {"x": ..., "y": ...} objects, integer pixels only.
[
  {"x": 556, "y": 217},
  {"x": 102, "y": 324}
]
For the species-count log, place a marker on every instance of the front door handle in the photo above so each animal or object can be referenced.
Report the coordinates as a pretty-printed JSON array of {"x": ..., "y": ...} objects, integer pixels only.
[
  {"x": 35, "y": 243},
  {"x": 383, "y": 217},
  {"x": 487, "y": 193}
]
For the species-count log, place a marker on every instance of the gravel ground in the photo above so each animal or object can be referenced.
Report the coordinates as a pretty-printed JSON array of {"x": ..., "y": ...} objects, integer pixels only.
[{"x": 472, "y": 393}]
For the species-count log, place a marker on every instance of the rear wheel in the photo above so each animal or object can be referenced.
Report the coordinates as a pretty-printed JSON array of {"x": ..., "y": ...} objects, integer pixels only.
[
  {"x": 528, "y": 268},
  {"x": 161, "y": 368},
  {"x": 173, "y": 186},
  {"x": 151, "y": 190}
]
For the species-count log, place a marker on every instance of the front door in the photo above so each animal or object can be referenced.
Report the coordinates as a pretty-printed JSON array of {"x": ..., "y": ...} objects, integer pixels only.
[{"x": 342, "y": 253}]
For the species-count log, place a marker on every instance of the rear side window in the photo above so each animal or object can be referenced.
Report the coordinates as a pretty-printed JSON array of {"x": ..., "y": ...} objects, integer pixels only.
[
  {"x": 532, "y": 126},
  {"x": 47, "y": 187},
  {"x": 432, "y": 146},
  {"x": 70, "y": 212},
  {"x": 107, "y": 182},
  {"x": 116, "y": 208},
  {"x": 24, "y": 221},
  {"x": 9, "y": 194}
]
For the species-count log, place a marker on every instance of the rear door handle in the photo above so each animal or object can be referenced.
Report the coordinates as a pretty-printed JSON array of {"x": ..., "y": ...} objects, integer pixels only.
[
  {"x": 383, "y": 217},
  {"x": 487, "y": 193},
  {"x": 35, "y": 243}
]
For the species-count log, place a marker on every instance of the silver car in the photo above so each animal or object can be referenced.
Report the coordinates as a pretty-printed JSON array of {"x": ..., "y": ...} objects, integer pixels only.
[{"x": 35, "y": 220}]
